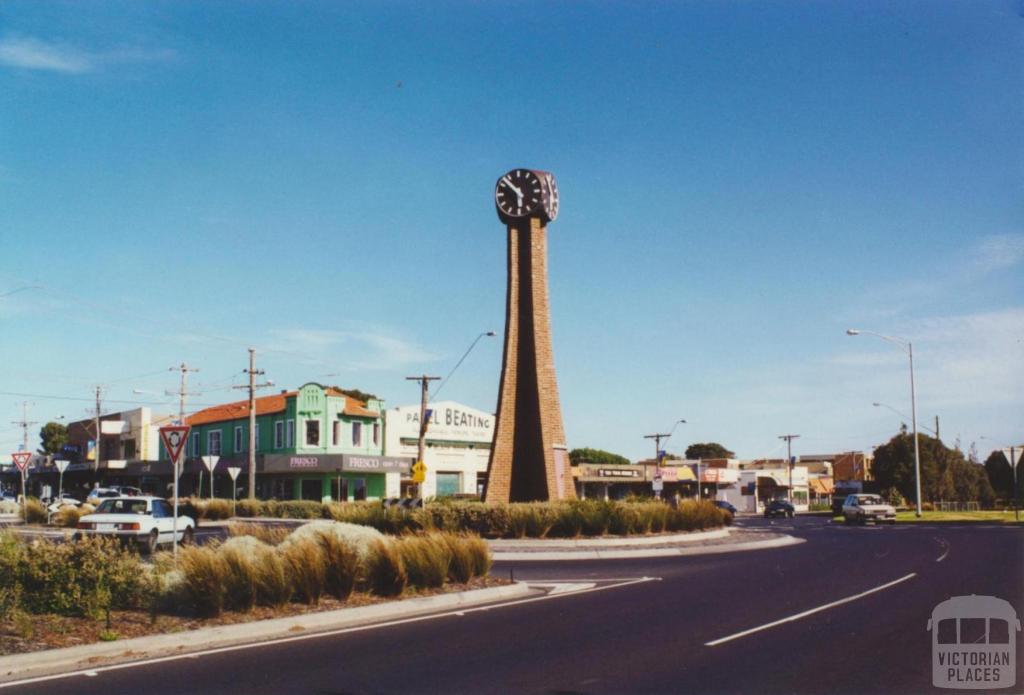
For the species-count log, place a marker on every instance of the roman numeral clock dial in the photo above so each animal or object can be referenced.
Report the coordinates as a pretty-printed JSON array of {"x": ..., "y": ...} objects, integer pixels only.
[{"x": 524, "y": 193}]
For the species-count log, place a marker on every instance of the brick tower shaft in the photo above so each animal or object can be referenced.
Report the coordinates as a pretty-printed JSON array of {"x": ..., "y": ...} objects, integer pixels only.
[{"x": 529, "y": 459}]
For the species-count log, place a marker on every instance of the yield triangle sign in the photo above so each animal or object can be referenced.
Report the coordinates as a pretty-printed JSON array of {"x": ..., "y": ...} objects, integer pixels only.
[
  {"x": 1012, "y": 455},
  {"x": 174, "y": 438},
  {"x": 21, "y": 459}
]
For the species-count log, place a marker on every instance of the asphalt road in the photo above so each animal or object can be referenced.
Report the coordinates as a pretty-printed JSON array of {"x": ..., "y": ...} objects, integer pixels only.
[{"x": 626, "y": 634}]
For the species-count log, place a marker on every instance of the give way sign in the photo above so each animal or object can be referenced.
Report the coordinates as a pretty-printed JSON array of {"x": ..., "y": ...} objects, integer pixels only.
[{"x": 21, "y": 459}]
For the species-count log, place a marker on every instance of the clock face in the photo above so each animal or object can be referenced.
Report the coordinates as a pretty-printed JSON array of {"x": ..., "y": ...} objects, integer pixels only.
[
  {"x": 551, "y": 208},
  {"x": 519, "y": 193}
]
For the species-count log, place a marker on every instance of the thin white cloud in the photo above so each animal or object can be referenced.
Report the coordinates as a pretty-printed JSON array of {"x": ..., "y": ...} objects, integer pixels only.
[
  {"x": 33, "y": 54},
  {"x": 358, "y": 349},
  {"x": 56, "y": 56},
  {"x": 998, "y": 251}
]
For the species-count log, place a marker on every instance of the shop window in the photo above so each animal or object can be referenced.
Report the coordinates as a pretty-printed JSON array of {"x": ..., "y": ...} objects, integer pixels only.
[
  {"x": 448, "y": 484},
  {"x": 213, "y": 442},
  {"x": 357, "y": 434},
  {"x": 311, "y": 490},
  {"x": 336, "y": 433},
  {"x": 279, "y": 434},
  {"x": 358, "y": 486},
  {"x": 376, "y": 434},
  {"x": 312, "y": 433},
  {"x": 289, "y": 434},
  {"x": 257, "y": 436},
  {"x": 195, "y": 444},
  {"x": 129, "y": 449},
  {"x": 238, "y": 439}
]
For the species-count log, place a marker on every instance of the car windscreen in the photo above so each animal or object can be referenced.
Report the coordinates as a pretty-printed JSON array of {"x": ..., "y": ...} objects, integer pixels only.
[
  {"x": 122, "y": 506},
  {"x": 871, "y": 500}
]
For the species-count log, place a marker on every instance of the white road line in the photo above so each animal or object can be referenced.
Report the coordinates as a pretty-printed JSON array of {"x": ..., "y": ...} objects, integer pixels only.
[
  {"x": 942, "y": 542},
  {"x": 298, "y": 638},
  {"x": 798, "y": 616}
]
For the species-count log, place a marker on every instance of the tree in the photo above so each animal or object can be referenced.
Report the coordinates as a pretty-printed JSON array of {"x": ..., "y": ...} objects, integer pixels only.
[
  {"x": 997, "y": 467},
  {"x": 52, "y": 437},
  {"x": 945, "y": 474},
  {"x": 598, "y": 456},
  {"x": 356, "y": 394},
  {"x": 708, "y": 450}
]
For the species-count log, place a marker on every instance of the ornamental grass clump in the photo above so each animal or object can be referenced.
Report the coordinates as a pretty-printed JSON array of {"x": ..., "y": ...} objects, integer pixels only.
[
  {"x": 341, "y": 562},
  {"x": 34, "y": 512},
  {"x": 306, "y": 569},
  {"x": 361, "y": 538},
  {"x": 242, "y": 556},
  {"x": 385, "y": 571},
  {"x": 462, "y": 564},
  {"x": 426, "y": 559},
  {"x": 68, "y": 516},
  {"x": 699, "y": 515},
  {"x": 481, "y": 554},
  {"x": 214, "y": 510},
  {"x": 271, "y": 534},
  {"x": 205, "y": 578},
  {"x": 595, "y": 516}
]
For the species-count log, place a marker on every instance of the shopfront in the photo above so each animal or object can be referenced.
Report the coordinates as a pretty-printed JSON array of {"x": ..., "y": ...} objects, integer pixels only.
[{"x": 331, "y": 477}]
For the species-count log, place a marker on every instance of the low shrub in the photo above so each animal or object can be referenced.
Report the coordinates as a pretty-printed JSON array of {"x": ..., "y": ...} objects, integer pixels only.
[
  {"x": 271, "y": 534},
  {"x": 385, "y": 572},
  {"x": 68, "y": 516},
  {"x": 306, "y": 569},
  {"x": 249, "y": 508},
  {"x": 214, "y": 510},
  {"x": 242, "y": 555},
  {"x": 361, "y": 538},
  {"x": 35, "y": 512},
  {"x": 341, "y": 561},
  {"x": 205, "y": 579},
  {"x": 426, "y": 559},
  {"x": 462, "y": 564}
]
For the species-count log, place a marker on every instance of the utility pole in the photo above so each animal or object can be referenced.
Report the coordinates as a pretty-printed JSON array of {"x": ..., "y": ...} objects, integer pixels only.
[
  {"x": 789, "y": 459},
  {"x": 24, "y": 424},
  {"x": 657, "y": 456},
  {"x": 424, "y": 392},
  {"x": 937, "y": 428},
  {"x": 182, "y": 392},
  {"x": 253, "y": 373},
  {"x": 96, "y": 446}
]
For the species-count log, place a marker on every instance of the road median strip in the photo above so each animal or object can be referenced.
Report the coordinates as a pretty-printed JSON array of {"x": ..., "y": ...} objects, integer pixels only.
[{"x": 57, "y": 663}]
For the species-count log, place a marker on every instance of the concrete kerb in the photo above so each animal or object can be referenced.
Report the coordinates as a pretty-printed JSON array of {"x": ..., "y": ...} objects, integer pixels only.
[
  {"x": 501, "y": 544},
  {"x": 19, "y": 667},
  {"x": 621, "y": 553}
]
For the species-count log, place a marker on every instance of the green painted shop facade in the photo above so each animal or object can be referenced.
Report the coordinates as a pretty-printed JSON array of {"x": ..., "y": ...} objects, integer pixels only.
[{"x": 315, "y": 443}]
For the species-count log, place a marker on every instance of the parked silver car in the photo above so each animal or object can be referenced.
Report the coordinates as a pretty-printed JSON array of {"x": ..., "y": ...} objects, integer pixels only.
[{"x": 862, "y": 508}]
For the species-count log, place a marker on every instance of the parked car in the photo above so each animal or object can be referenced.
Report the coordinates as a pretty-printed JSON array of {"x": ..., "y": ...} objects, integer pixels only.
[
  {"x": 147, "y": 521},
  {"x": 778, "y": 508},
  {"x": 864, "y": 508},
  {"x": 727, "y": 506}
]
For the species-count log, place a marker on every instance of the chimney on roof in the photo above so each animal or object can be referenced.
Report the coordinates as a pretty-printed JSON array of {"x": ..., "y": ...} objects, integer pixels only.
[{"x": 284, "y": 391}]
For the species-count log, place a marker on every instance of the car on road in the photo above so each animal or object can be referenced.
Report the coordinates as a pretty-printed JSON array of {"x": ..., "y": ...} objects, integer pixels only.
[
  {"x": 778, "y": 508},
  {"x": 727, "y": 506},
  {"x": 55, "y": 504},
  {"x": 863, "y": 508},
  {"x": 145, "y": 521}
]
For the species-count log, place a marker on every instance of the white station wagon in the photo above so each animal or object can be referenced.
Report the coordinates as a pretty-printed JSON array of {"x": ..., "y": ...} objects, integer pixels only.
[{"x": 148, "y": 521}]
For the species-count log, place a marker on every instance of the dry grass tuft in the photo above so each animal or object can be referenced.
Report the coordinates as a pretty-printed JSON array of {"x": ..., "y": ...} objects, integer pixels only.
[{"x": 385, "y": 572}]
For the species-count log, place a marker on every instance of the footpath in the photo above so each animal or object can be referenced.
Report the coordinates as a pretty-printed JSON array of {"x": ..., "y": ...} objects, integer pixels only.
[{"x": 90, "y": 659}]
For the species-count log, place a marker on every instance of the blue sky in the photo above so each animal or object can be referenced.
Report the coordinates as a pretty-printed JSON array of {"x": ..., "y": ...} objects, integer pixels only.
[{"x": 740, "y": 183}]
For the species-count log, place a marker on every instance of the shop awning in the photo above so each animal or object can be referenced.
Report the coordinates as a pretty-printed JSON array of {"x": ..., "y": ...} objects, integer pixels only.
[{"x": 821, "y": 486}]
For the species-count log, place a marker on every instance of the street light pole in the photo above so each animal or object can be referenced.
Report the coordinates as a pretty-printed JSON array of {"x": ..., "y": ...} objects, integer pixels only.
[
  {"x": 657, "y": 453},
  {"x": 489, "y": 334},
  {"x": 908, "y": 347},
  {"x": 789, "y": 459}
]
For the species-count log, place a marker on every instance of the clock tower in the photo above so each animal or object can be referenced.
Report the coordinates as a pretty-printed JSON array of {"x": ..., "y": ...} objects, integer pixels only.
[{"x": 529, "y": 459}]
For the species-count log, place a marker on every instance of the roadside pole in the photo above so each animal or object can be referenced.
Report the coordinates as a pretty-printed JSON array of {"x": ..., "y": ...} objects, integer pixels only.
[
  {"x": 233, "y": 471},
  {"x": 420, "y": 467},
  {"x": 21, "y": 459},
  {"x": 174, "y": 438},
  {"x": 1012, "y": 455},
  {"x": 210, "y": 462},
  {"x": 62, "y": 465}
]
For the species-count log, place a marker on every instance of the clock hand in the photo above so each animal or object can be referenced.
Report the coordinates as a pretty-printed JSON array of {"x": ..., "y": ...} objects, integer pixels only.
[{"x": 508, "y": 182}]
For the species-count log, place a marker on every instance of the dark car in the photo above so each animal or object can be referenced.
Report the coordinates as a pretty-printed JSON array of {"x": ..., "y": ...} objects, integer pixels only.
[
  {"x": 727, "y": 506},
  {"x": 778, "y": 508}
]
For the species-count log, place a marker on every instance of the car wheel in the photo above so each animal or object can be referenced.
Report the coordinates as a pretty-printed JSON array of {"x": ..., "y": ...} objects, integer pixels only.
[
  {"x": 188, "y": 537},
  {"x": 151, "y": 542},
  {"x": 789, "y": 514}
]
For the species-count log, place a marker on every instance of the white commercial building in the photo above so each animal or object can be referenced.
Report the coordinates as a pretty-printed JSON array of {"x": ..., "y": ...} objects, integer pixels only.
[
  {"x": 758, "y": 486},
  {"x": 458, "y": 444}
]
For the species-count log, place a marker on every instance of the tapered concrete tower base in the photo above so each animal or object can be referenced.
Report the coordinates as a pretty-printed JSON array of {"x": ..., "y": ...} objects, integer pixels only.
[{"x": 529, "y": 460}]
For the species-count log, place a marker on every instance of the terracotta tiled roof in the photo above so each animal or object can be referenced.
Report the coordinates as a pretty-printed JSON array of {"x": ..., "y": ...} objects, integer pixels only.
[{"x": 270, "y": 404}]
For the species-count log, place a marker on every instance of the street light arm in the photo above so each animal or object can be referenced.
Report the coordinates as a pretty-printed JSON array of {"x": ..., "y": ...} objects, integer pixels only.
[{"x": 903, "y": 344}]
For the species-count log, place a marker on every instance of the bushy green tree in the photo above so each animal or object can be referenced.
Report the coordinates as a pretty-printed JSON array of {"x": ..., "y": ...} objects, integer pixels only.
[
  {"x": 997, "y": 468},
  {"x": 52, "y": 437},
  {"x": 945, "y": 474},
  {"x": 708, "y": 450},
  {"x": 598, "y": 456}
]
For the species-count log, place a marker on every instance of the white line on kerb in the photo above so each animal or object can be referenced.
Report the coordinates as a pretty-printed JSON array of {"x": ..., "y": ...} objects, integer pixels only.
[
  {"x": 798, "y": 616},
  {"x": 317, "y": 635}
]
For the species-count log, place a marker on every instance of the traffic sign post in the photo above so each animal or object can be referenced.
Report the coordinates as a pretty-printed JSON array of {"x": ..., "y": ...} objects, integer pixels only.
[
  {"x": 62, "y": 465},
  {"x": 233, "y": 471},
  {"x": 211, "y": 462},
  {"x": 174, "y": 438},
  {"x": 21, "y": 459},
  {"x": 1012, "y": 455}
]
